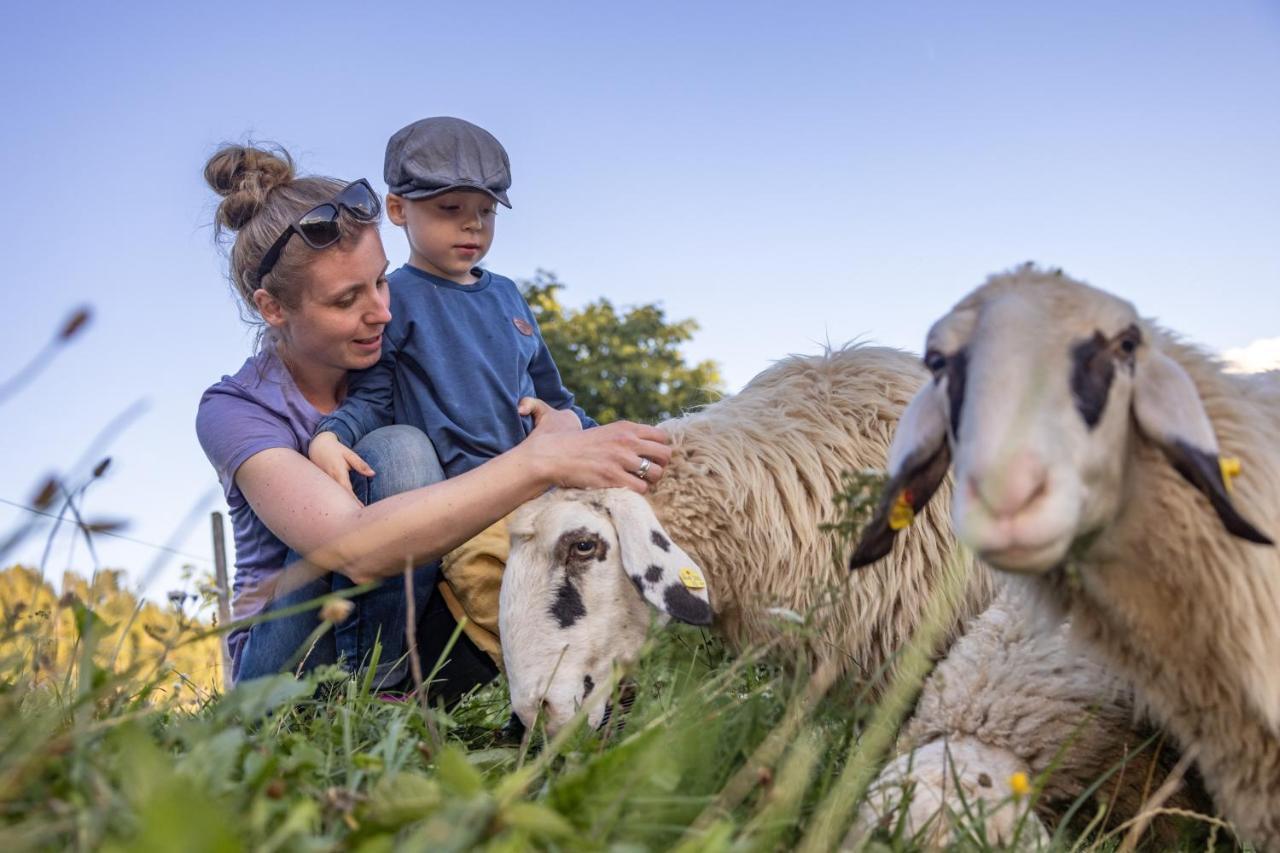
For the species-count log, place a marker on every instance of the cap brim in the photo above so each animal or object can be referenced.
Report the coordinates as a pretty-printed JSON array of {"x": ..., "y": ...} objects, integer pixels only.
[{"x": 416, "y": 194}]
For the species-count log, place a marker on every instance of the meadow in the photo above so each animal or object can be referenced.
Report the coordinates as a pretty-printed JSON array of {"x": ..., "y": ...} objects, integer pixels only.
[{"x": 115, "y": 734}]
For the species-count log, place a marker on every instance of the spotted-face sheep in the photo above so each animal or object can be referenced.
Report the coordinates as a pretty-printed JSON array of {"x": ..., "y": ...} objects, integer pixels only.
[
  {"x": 1123, "y": 474},
  {"x": 752, "y": 479}
]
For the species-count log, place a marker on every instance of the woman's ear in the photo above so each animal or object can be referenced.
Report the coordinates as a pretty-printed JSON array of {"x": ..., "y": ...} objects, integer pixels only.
[
  {"x": 269, "y": 308},
  {"x": 395, "y": 209}
]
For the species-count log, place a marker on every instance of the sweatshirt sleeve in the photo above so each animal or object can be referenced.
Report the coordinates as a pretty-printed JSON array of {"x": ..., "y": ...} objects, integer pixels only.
[
  {"x": 369, "y": 403},
  {"x": 547, "y": 381}
]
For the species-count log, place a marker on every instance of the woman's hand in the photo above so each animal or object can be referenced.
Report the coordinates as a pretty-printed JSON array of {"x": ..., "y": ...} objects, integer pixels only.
[
  {"x": 337, "y": 460},
  {"x": 604, "y": 457}
]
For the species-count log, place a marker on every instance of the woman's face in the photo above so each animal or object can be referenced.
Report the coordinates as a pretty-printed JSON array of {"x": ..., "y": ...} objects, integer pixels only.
[{"x": 343, "y": 309}]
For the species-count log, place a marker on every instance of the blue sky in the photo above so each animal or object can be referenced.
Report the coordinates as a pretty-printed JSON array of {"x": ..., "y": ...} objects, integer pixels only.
[{"x": 787, "y": 174}]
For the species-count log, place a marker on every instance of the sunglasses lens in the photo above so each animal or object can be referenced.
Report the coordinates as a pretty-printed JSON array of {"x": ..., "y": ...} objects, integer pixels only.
[
  {"x": 319, "y": 226},
  {"x": 360, "y": 200}
]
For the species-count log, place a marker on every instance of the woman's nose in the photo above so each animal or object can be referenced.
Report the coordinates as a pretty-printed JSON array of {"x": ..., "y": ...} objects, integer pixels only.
[{"x": 380, "y": 312}]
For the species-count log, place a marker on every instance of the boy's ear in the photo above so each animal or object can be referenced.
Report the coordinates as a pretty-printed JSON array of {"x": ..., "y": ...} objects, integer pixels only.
[{"x": 395, "y": 209}]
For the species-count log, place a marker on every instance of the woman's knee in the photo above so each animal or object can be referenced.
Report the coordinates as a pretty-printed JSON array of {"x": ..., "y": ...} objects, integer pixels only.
[{"x": 402, "y": 457}]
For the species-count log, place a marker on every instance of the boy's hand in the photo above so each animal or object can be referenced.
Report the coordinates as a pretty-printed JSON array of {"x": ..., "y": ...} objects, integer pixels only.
[
  {"x": 338, "y": 461},
  {"x": 547, "y": 418}
]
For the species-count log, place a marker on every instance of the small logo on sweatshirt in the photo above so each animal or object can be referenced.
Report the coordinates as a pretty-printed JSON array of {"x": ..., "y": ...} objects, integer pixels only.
[{"x": 523, "y": 325}]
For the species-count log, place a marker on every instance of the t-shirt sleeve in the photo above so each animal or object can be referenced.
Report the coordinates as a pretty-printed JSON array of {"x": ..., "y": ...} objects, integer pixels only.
[{"x": 232, "y": 428}]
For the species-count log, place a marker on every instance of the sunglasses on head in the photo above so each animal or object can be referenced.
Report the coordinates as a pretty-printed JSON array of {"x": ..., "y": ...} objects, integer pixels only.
[{"x": 318, "y": 227}]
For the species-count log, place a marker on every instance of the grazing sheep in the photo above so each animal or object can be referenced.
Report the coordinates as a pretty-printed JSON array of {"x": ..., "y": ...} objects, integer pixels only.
[
  {"x": 752, "y": 479},
  {"x": 1117, "y": 470}
]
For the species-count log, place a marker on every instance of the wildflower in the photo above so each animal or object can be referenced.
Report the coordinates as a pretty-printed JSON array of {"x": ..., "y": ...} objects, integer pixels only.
[
  {"x": 336, "y": 610},
  {"x": 74, "y": 323},
  {"x": 1019, "y": 785}
]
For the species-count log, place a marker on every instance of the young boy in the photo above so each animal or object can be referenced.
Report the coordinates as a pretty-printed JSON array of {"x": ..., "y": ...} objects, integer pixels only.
[{"x": 462, "y": 348}]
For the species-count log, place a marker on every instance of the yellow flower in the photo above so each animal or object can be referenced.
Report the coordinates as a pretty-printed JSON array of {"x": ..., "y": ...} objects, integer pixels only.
[
  {"x": 336, "y": 610},
  {"x": 1020, "y": 785}
]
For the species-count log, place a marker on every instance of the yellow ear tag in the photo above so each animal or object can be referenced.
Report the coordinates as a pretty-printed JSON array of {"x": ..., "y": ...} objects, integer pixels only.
[
  {"x": 901, "y": 514},
  {"x": 1230, "y": 467},
  {"x": 692, "y": 579}
]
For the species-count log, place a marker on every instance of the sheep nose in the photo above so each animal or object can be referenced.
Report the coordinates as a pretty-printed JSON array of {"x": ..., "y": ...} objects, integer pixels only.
[{"x": 1011, "y": 485}]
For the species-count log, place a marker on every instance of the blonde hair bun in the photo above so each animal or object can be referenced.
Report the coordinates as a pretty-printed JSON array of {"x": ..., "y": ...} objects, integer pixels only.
[{"x": 244, "y": 175}]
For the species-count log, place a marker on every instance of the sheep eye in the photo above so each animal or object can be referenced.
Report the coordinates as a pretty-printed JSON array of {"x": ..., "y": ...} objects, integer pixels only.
[
  {"x": 935, "y": 361},
  {"x": 584, "y": 546},
  {"x": 1127, "y": 341}
]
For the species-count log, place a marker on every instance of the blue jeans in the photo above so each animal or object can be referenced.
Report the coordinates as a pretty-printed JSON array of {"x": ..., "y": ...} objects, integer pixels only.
[{"x": 403, "y": 459}]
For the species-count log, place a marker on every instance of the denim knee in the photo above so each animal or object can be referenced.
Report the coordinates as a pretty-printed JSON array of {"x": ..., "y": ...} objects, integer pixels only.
[{"x": 403, "y": 459}]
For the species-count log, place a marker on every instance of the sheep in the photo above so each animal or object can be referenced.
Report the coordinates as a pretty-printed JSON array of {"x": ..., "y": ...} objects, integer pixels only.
[
  {"x": 1096, "y": 460},
  {"x": 752, "y": 478}
]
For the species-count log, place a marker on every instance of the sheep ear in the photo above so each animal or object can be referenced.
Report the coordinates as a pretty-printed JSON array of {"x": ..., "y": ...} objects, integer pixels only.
[
  {"x": 1168, "y": 410},
  {"x": 918, "y": 461},
  {"x": 660, "y": 569}
]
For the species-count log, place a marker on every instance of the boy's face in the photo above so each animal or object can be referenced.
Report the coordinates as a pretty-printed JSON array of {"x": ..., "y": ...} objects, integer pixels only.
[{"x": 448, "y": 234}]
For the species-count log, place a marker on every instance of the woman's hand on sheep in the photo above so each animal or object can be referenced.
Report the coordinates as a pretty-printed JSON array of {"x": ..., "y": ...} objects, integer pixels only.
[
  {"x": 604, "y": 457},
  {"x": 335, "y": 459}
]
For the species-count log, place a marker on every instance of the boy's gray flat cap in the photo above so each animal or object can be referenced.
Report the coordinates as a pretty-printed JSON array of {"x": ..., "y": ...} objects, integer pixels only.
[{"x": 436, "y": 155}]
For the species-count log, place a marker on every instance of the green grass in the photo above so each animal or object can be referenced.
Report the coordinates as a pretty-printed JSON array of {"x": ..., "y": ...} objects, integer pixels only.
[{"x": 718, "y": 753}]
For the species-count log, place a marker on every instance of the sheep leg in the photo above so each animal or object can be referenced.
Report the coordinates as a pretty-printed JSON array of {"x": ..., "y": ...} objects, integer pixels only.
[
  {"x": 953, "y": 791},
  {"x": 1015, "y": 695}
]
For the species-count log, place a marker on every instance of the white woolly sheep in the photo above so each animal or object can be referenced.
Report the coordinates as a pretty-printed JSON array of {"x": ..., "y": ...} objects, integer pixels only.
[
  {"x": 1062, "y": 411},
  {"x": 752, "y": 479}
]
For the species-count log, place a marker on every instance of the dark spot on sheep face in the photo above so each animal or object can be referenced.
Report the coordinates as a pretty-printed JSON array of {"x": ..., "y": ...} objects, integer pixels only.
[
  {"x": 1093, "y": 369},
  {"x": 1092, "y": 372},
  {"x": 577, "y": 548},
  {"x": 957, "y": 376},
  {"x": 685, "y": 606},
  {"x": 653, "y": 574},
  {"x": 588, "y": 684},
  {"x": 954, "y": 368},
  {"x": 567, "y": 607},
  {"x": 638, "y": 582},
  {"x": 661, "y": 541}
]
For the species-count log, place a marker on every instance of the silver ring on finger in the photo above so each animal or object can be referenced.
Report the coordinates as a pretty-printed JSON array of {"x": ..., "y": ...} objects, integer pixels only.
[{"x": 643, "y": 471}]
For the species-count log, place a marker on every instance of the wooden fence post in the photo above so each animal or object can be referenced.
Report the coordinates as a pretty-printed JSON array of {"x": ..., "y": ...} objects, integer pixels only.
[{"x": 224, "y": 593}]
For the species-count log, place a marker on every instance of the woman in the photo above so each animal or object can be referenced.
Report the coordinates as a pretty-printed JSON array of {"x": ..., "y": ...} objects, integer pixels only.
[{"x": 308, "y": 265}]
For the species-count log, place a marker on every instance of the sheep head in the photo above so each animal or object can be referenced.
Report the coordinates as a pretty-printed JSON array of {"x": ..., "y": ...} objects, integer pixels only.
[
  {"x": 1038, "y": 384},
  {"x": 583, "y": 564}
]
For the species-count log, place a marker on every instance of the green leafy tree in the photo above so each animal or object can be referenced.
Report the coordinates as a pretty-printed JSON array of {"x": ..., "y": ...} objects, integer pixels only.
[{"x": 621, "y": 365}]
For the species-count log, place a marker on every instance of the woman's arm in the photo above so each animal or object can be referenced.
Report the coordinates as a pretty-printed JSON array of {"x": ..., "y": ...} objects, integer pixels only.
[{"x": 324, "y": 522}]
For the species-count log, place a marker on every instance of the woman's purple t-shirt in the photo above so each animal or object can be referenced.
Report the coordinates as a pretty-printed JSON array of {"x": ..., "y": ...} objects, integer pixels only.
[{"x": 258, "y": 408}]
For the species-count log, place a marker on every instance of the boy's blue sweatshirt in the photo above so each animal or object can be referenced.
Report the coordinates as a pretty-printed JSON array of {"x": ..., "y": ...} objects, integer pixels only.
[{"x": 456, "y": 359}]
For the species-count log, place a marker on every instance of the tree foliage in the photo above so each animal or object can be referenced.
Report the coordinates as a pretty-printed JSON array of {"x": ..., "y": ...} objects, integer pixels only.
[{"x": 621, "y": 364}]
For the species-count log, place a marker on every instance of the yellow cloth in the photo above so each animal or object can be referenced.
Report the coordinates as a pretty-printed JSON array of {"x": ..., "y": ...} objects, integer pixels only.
[{"x": 472, "y": 577}]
